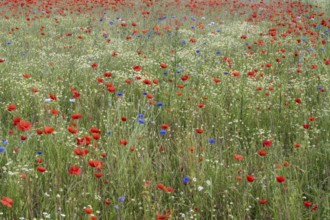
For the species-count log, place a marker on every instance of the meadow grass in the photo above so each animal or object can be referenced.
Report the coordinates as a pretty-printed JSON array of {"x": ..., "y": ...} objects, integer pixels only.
[{"x": 204, "y": 130}]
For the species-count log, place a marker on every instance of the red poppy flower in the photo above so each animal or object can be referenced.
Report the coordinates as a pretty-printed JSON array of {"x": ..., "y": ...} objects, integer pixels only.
[
  {"x": 86, "y": 140},
  {"x": 39, "y": 160},
  {"x": 314, "y": 208},
  {"x": 95, "y": 163},
  {"x": 250, "y": 178},
  {"x": 193, "y": 40},
  {"x": 95, "y": 130},
  {"x": 199, "y": 130},
  {"x": 74, "y": 170},
  {"x": 147, "y": 82},
  {"x": 6, "y": 201},
  {"x": 80, "y": 151},
  {"x": 149, "y": 96},
  {"x": 280, "y": 179},
  {"x": 98, "y": 175},
  {"x": 73, "y": 130},
  {"x": 48, "y": 130},
  {"x": 16, "y": 121},
  {"x": 111, "y": 88},
  {"x": 107, "y": 74},
  {"x": 298, "y": 100},
  {"x": 35, "y": 90},
  {"x": 238, "y": 157},
  {"x": 216, "y": 80},
  {"x": 39, "y": 132},
  {"x": 53, "y": 97},
  {"x": 54, "y": 112},
  {"x": 296, "y": 145},
  {"x": 94, "y": 65},
  {"x": 76, "y": 116},
  {"x": 137, "y": 68},
  {"x": 165, "y": 126},
  {"x": 123, "y": 142},
  {"x": 308, "y": 203},
  {"x": 163, "y": 65},
  {"x": 163, "y": 217},
  {"x": 107, "y": 201},
  {"x": 123, "y": 118},
  {"x": 185, "y": 77},
  {"x": 96, "y": 136},
  {"x": 26, "y": 75},
  {"x": 88, "y": 210},
  {"x": 160, "y": 186},
  {"x": 169, "y": 189},
  {"x": 11, "y": 107},
  {"x": 312, "y": 118},
  {"x": 41, "y": 169},
  {"x": 263, "y": 201},
  {"x": 307, "y": 126},
  {"x": 262, "y": 152},
  {"x": 2, "y": 60},
  {"x": 23, "y": 125},
  {"x": 267, "y": 143}
]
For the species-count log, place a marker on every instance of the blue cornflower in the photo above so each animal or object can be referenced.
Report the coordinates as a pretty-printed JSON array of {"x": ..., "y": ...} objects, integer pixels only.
[
  {"x": 184, "y": 42},
  {"x": 111, "y": 22},
  {"x": 198, "y": 51},
  {"x": 9, "y": 43},
  {"x": 218, "y": 31},
  {"x": 226, "y": 73},
  {"x": 121, "y": 198},
  {"x": 218, "y": 53},
  {"x": 160, "y": 104},
  {"x": 186, "y": 180},
  {"x": 141, "y": 121},
  {"x": 39, "y": 152},
  {"x": 192, "y": 27},
  {"x": 116, "y": 207},
  {"x": 211, "y": 140},
  {"x": 101, "y": 19},
  {"x": 2, "y": 149},
  {"x": 4, "y": 141},
  {"x": 120, "y": 94},
  {"x": 145, "y": 93},
  {"x": 140, "y": 115},
  {"x": 165, "y": 73},
  {"x": 163, "y": 132},
  {"x": 109, "y": 132}
]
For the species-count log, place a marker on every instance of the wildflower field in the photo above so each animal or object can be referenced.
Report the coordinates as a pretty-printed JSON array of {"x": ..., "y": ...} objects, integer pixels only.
[{"x": 146, "y": 109}]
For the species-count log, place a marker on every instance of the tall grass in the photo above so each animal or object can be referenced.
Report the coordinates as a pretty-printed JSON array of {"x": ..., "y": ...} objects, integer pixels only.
[{"x": 176, "y": 142}]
